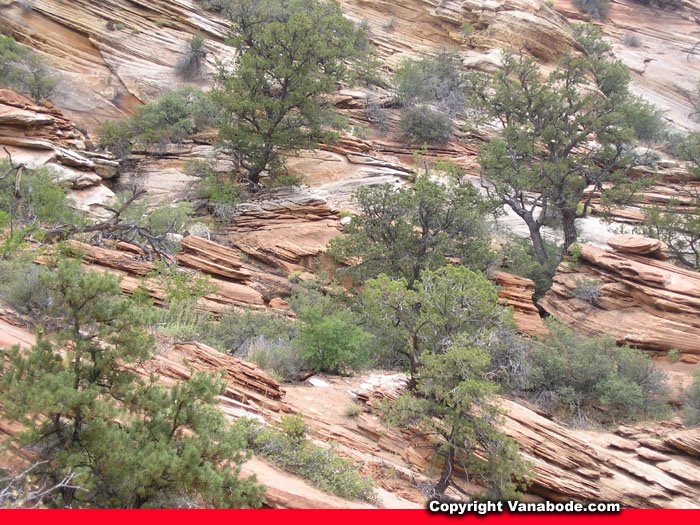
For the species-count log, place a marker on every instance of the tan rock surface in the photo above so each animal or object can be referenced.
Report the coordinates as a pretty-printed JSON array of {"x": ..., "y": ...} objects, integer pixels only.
[
  {"x": 517, "y": 292},
  {"x": 643, "y": 301},
  {"x": 285, "y": 229}
]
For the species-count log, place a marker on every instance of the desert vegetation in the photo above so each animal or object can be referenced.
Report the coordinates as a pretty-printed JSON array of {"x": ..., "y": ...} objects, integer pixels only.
[{"x": 405, "y": 284}]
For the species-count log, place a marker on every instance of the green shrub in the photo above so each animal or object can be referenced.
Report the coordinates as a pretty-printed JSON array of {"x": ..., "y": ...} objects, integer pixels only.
[
  {"x": 332, "y": 343},
  {"x": 632, "y": 40},
  {"x": 25, "y": 71},
  {"x": 587, "y": 291},
  {"x": 44, "y": 202},
  {"x": 692, "y": 403},
  {"x": 518, "y": 257},
  {"x": 432, "y": 80},
  {"x": 583, "y": 376},
  {"x": 597, "y": 9},
  {"x": 263, "y": 338},
  {"x": 353, "y": 410},
  {"x": 22, "y": 288},
  {"x": 422, "y": 124},
  {"x": 191, "y": 65},
  {"x": 645, "y": 119},
  {"x": 291, "y": 450},
  {"x": 174, "y": 117}
]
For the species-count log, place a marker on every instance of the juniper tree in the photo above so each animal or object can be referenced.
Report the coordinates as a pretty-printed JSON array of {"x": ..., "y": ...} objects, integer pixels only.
[
  {"x": 561, "y": 134},
  {"x": 402, "y": 231},
  {"x": 290, "y": 53},
  {"x": 123, "y": 441},
  {"x": 447, "y": 324}
]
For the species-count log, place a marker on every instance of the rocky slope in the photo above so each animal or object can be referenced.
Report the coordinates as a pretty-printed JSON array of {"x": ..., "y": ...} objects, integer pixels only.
[
  {"x": 639, "y": 299},
  {"x": 114, "y": 55},
  {"x": 641, "y": 466}
]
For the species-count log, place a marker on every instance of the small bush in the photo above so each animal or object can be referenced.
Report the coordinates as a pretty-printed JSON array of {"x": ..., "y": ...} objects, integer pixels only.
[
  {"x": 692, "y": 403},
  {"x": 674, "y": 355},
  {"x": 332, "y": 343},
  {"x": 353, "y": 410},
  {"x": 263, "y": 338},
  {"x": 222, "y": 195},
  {"x": 377, "y": 115},
  {"x": 22, "y": 288},
  {"x": 436, "y": 80},
  {"x": 191, "y": 65},
  {"x": 597, "y": 9},
  {"x": 588, "y": 292},
  {"x": 518, "y": 257},
  {"x": 632, "y": 40},
  {"x": 645, "y": 119},
  {"x": 579, "y": 376},
  {"x": 173, "y": 118},
  {"x": 291, "y": 450},
  {"x": 422, "y": 124},
  {"x": 25, "y": 71},
  {"x": 43, "y": 200}
]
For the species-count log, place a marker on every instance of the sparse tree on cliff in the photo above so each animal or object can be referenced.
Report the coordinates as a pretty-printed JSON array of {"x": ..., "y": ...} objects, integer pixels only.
[
  {"x": 561, "y": 134},
  {"x": 290, "y": 53},
  {"x": 447, "y": 324}
]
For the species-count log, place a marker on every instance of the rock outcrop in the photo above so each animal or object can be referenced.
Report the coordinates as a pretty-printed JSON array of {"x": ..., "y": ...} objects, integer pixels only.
[
  {"x": 638, "y": 299},
  {"x": 284, "y": 229},
  {"x": 644, "y": 466},
  {"x": 517, "y": 292},
  {"x": 42, "y": 136}
]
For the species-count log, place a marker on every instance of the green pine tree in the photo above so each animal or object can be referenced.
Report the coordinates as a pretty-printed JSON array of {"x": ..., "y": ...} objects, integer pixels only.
[
  {"x": 127, "y": 442},
  {"x": 290, "y": 54}
]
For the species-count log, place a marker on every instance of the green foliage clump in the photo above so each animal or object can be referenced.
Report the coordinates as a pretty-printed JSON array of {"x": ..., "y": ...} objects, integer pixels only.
[
  {"x": 222, "y": 195},
  {"x": 593, "y": 377},
  {"x": 263, "y": 338},
  {"x": 126, "y": 442},
  {"x": 290, "y": 54},
  {"x": 41, "y": 202},
  {"x": 291, "y": 449},
  {"x": 437, "y": 80},
  {"x": 425, "y": 125},
  {"x": 645, "y": 118},
  {"x": 332, "y": 342},
  {"x": 172, "y": 118},
  {"x": 598, "y": 9},
  {"x": 22, "y": 287},
  {"x": 446, "y": 325},
  {"x": 678, "y": 222},
  {"x": 25, "y": 71},
  {"x": 518, "y": 257},
  {"x": 402, "y": 231},
  {"x": 692, "y": 403},
  {"x": 191, "y": 65}
]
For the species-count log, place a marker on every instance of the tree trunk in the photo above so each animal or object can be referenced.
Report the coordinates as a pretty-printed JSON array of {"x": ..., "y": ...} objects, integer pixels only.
[
  {"x": 537, "y": 242},
  {"x": 446, "y": 476},
  {"x": 568, "y": 219}
]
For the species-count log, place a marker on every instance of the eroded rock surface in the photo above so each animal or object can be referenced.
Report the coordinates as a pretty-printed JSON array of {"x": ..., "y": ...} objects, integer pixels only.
[{"x": 642, "y": 301}]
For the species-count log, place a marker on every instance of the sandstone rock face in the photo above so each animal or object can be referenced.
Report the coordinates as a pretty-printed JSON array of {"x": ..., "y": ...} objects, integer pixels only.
[
  {"x": 643, "y": 301},
  {"x": 284, "y": 229},
  {"x": 115, "y": 54},
  {"x": 517, "y": 293},
  {"x": 40, "y": 136},
  {"x": 663, "y": 69},
  {"x": 637, "y": 466},
  {"x": 639, "y": 245}
]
